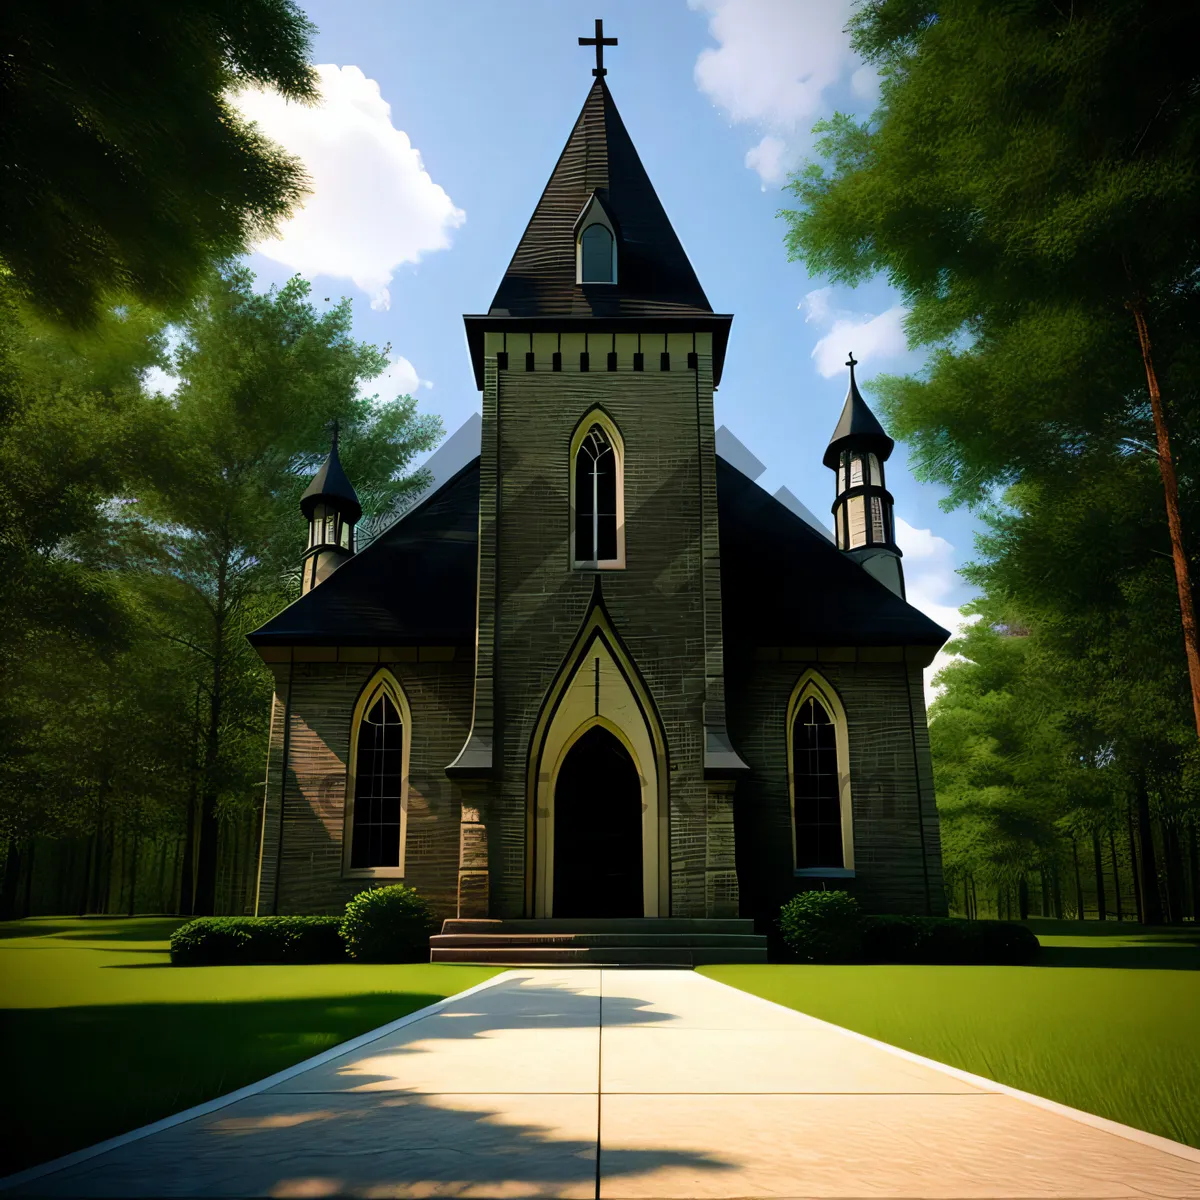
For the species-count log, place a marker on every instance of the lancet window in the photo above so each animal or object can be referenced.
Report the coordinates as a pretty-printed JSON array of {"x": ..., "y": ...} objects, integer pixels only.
[{"x": 597, "y": 496}]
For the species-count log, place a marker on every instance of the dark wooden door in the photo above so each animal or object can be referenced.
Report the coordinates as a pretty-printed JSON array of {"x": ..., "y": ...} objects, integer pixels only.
[{"x": 598, "y": 830}]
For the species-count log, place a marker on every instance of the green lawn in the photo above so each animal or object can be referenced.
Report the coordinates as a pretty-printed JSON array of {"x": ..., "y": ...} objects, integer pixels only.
[
  {"x": 1109, "y": 1022},
  {"x": 99, "y": 1034}
]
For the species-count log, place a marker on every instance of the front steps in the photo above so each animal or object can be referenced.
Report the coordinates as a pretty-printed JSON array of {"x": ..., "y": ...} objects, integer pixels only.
[{"x": 593, "y": 942}]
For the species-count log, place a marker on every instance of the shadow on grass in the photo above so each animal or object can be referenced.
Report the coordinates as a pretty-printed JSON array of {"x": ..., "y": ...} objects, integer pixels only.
[
  {"x": 294, "y": 1142},
  {"x": 1138, "y": 958},
  {"x": 94, "y": 928},
  {"x": 1048, "y": 927},
  {"x": 75, "y": 1076}
]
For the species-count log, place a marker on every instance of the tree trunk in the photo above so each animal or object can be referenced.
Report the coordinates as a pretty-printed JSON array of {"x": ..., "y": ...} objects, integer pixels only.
[
  {"x": 1152, "y": 913},
  {"x": 133, "y": 875},
  {"x": 187, "y": 884},
  {"x": 12, "y": 877},
  {"x": 1045, "y": 891},
  {"x": 1101, "y": 907},
  {"x": 1112, "y": 850},
  {"x": 1194, "y": 870},
  {"x": 27, "y": 901},
  {"x": 174, "y": 900},
  {"x": 206, "y": 866},
  {"x": 160, "y": 903},
  {"x": 1023, "y": 898},
  {"x": 974, "y": 901},
  {"x": 1078, "y": 880},
  {"x": 1173, "y": 862},
  {"x": 1166, "y": 468},
  {"x": 1056, "y": 891}
]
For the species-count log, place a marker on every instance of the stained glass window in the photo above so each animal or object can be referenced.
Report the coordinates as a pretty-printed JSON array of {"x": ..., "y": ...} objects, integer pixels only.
[
  {"x": 378, "y": 772},
  {"x": 816, "y": 789}
]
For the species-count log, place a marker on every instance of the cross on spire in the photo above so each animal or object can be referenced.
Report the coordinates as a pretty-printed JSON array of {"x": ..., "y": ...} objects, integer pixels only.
[
  {"x": 852, "y": 362},
  {"x": 599, "y": 41}
]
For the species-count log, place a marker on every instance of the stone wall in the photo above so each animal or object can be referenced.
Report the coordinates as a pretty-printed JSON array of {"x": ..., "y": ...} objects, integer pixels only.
[
  {"x": 323, "y": 695},
  {"x": 664, "y": 604},
  {"x": 897, "y": 851}
]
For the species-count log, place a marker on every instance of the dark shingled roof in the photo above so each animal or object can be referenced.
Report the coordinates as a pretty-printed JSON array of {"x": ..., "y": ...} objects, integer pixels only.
[
  {"x": 331, "y": 483},
  {"x": 413, "y": 583},
  {"x": 656, "y": 287},
  {"x": 857, "y": 429},
  {"x": 782, "y": 582},
  {"x": 654, "y": 277}
]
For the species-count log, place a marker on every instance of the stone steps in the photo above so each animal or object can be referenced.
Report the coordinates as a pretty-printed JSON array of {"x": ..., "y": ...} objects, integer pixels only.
[{"x": 648, "y": 941}]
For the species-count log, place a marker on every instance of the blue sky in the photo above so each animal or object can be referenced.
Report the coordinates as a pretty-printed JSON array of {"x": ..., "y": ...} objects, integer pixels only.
[{"x": 441, "y": 124}]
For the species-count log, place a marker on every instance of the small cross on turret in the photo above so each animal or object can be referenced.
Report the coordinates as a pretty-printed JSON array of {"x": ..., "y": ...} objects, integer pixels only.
[{"x": 599, "y": 41}]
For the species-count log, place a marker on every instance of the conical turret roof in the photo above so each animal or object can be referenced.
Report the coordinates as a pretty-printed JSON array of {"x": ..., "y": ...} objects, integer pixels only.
[
  {"x": 858, "y": 428},
  {"x": 330, "y": 485}
]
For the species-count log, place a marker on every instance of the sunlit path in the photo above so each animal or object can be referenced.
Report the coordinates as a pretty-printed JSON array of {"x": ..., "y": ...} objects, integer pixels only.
[{"x": 585, "y": 1083}]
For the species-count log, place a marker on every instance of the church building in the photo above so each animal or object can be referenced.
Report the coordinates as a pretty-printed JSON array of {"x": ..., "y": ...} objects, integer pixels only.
[{"x": 597, "y": 672}]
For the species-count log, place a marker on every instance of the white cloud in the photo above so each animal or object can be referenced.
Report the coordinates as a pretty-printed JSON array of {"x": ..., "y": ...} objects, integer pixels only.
[
  {"x": 156, "y": 381},
  {"x": 871, "y": 338},
  {"x": 772, "y": 158},
  {"x": 864, "y": 83},
  {"x": 771, "y": 67},
  {"x": 929, "y": 580},
  {"x": 399, "y": 378},
  {"x": 373, "y": 206}
]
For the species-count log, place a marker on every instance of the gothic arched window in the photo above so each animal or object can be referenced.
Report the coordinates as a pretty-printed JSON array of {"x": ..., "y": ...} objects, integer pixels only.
[
  {"x": 819, "y": 778},
  {"x": 597, "y": 536},
  {"x": 377, "y": 781},
  {"x": 596, "y": 254}
]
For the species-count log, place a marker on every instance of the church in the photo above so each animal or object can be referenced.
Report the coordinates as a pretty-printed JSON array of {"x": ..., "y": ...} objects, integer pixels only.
[{"x": 596, "y": 673}]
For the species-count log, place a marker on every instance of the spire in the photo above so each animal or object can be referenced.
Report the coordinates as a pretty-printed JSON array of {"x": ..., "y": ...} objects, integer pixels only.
[
  {"x": 331, "y": 486},
  {"x": 857, "y": 427},
  {"x": 654, "y": 276}
]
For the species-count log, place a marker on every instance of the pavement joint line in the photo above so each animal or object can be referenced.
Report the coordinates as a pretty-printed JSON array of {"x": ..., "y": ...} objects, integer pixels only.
[
  {"x": 1153, "y": 1140},
  {"x": 251, "y": 1089}
]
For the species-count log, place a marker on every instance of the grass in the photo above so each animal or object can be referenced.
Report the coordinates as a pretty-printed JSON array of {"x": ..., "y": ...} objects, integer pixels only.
[
  {"x": 99, "y": 1034},
  {"x": 1108, "y": 1022}
]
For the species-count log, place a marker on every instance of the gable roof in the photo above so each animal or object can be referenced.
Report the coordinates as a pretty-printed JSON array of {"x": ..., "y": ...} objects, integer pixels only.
[
  {"x": 784, "y": 584},
  {"x": 413, "y": 583}
]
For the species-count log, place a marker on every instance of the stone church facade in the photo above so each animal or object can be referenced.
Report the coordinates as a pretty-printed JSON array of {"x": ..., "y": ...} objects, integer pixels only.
[{"x": 597, "y": 671}]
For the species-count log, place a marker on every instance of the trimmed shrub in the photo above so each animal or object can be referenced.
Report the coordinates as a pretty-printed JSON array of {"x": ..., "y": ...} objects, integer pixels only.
[
  {"x": 947, "y": 940},
  {"x": 388, "y": 924},
  {"x": 241, "y": 941},
  {"x": 822, "y": 927}
]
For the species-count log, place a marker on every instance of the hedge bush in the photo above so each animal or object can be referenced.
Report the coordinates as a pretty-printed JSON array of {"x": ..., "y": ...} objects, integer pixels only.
[
  {"x": 824, "y": 927},
  {"x": 388, "y": 924},
  {"x": 240, "y": 941}
]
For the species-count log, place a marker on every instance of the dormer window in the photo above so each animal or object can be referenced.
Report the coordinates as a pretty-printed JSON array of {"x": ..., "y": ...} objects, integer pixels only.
[
  {"x": 595, "y": 245},
  {"x": 596, "y": 254}
]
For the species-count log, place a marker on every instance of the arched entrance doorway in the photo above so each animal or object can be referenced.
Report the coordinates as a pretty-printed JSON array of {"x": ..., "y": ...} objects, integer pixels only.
[{"x": 598, "y": 830}]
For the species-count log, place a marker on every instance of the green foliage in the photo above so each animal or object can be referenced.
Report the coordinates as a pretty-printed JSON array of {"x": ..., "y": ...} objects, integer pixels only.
[
  {"x": 822, "y": 926},
  {"x": 127, "y": 167},
  {"x": 903, "y": 939},
  {"x": 388, "y": 924},
  {"x": 240, "y": 941},
  {"x": 1028, "y": 176}
]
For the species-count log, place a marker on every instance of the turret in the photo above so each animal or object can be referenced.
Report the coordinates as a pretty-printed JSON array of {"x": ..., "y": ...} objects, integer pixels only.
[
  {"x": 862, "y": 508},
  {"x": 331, "y": 505}
]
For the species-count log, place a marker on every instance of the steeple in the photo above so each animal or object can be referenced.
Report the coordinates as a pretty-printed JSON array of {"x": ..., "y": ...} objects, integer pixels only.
[
  {"x": 550, "y": 284},
  {"x": 332, "y": 507},
  {"x": 863, "y": 521}
]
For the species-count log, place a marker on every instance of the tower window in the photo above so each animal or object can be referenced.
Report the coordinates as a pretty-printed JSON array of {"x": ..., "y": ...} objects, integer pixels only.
[
  {"x": 856, "y": 470},
  {"x": 597, "y": 534},
  {"x": 878, "y": 533},
  {"x": 596, "y": 249}
]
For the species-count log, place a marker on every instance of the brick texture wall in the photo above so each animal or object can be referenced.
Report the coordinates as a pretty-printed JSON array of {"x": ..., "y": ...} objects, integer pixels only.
[
  {"x": 896, "y": 844},
  {"x": 323, "y": 696}
]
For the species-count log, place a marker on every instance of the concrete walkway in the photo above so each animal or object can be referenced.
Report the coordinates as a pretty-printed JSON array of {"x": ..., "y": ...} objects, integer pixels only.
[{"x": 586, "y": 1083}]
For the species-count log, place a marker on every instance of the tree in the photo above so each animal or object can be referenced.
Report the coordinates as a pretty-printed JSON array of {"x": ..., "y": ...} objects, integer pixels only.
[
  {"x": 1029, "y": 185},
  {"x": 125, "y": 169},
  {"x": 261, "y": 378}
]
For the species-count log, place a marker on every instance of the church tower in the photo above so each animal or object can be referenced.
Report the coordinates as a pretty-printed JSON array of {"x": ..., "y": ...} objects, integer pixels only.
[
  {"x": 332, "y": 509},
  {"x": 599, "y": 711},
  {"x": 863, "y": 522}
]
